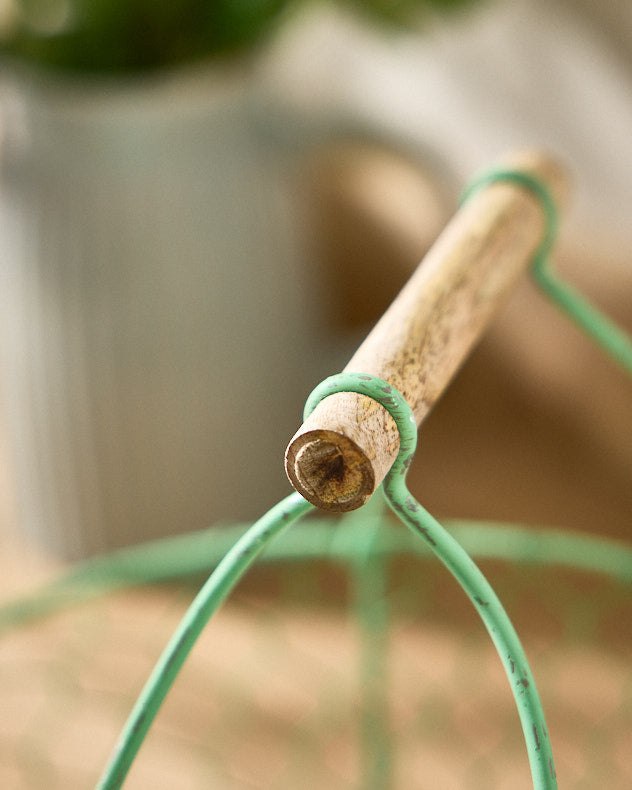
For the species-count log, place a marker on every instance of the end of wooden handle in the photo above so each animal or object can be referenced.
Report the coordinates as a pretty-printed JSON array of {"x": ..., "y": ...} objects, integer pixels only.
[
  {"x": 342, "y": 452},
  {"x": 330, "y": 470}
]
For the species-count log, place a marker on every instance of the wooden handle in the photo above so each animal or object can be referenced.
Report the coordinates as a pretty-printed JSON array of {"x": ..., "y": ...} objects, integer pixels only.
[{"x": 343, "y": 451}]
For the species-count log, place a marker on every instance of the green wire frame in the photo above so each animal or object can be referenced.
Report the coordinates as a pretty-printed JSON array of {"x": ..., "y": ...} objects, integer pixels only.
[
  {"x": 338, "y": 541},
  {"x": 232, "y": 567},
  {"x": 551, "y": 547}
]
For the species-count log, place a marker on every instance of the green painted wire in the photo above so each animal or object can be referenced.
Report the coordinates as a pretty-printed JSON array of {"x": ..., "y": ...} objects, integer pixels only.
[
  {"x": 368, "y": 571},
  {"x": 211, "y": 596},
  {"x": 614, "y": 340},
  {"x": 197, "y": 553},
  {"x": 458, "y": 562}
]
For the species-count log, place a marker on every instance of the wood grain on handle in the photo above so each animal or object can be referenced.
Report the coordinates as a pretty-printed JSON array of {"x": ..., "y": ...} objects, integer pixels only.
[{"x": 343, "y": 451}]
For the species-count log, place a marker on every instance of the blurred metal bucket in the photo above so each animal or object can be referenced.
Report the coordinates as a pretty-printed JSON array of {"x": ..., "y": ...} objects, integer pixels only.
[{"x": 151, "y": 273}]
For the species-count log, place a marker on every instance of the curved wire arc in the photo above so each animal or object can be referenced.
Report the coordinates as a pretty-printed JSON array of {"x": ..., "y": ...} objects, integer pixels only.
[
  {"x": 219, "y": 585},
  {"x": 199, "y": 552}
]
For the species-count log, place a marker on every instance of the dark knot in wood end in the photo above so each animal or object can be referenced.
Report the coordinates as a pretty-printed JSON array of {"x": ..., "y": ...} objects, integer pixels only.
[{"x": 329, "y": 470}]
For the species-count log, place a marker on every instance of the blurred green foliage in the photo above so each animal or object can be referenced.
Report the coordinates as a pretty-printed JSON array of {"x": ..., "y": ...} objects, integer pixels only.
[{"x": 136, "y": 35}]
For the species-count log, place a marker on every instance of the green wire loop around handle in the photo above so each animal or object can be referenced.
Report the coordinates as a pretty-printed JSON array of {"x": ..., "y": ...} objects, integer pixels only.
[
  {"x": 612, "y": 338},
  {"x": 540, "y": 260},
  {"x": 458, "y": 562}
]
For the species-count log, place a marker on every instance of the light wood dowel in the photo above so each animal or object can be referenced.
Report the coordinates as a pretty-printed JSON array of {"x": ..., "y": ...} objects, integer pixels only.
[{"x": 345, "y": 448}]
